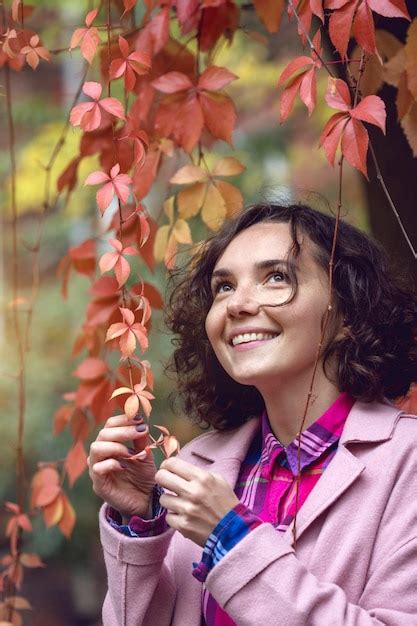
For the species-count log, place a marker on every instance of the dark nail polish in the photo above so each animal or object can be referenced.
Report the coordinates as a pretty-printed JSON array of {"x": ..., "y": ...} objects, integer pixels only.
[
  {"x": 140, "y": 428},
  {"x": 138, "y": 417},
  {"x": 132, "y": 451},
  {"x": 123, "y": 465}
]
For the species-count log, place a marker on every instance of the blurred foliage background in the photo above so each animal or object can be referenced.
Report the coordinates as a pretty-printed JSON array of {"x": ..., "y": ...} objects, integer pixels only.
[{"x": 70, "y": 590}]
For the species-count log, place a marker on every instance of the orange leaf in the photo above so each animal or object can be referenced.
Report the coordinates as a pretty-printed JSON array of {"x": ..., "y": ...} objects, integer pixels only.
[
  {"x": 131, "y": 406},
  {"x": 270, "y": 12},
  {"x": 190, "y": 200},
  {"x": 30, "y": 559},
  {"x": 91, "y": 369},
  {"x": 75, "y": 462},
  {"x": 232, "y": 197},
  {"x": 214, "y": 211},
  {"x": 47, "y": 494},
  {"x": 188, "y": 174},
  {"x": 219, "y": 114},
  {"x": 67, "y": 522},
  {"x": 52, "y": 513},
  {"x": 228, "y": 166}
]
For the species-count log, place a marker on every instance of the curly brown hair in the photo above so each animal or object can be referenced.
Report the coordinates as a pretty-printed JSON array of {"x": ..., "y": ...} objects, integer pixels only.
[{"x": 376, "y": 356}]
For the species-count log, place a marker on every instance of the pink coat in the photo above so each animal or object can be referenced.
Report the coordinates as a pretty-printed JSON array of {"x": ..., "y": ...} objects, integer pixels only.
[{"x": 356, "y": 556}]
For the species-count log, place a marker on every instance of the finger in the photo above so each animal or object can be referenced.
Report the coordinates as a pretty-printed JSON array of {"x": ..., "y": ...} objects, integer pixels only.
[
  {"x": 105, "y": 467},
  {"x": 172, "y": 503},
  {"x": 123, "y": 433},
  {"x": 183, "y": 469},
  {"x": 100, "y": 450},
  {"x": 173, "y": 520},
  {"x": 121, "y": 420},
  {"x": 171, "y": 481}
]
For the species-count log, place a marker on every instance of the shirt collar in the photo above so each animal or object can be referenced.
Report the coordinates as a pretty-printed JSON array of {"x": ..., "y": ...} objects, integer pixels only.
[{"x": 315, "y": 440}]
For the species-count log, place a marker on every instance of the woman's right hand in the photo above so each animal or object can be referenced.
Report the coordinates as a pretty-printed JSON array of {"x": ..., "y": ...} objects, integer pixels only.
[{"x": 125, "y": 485}]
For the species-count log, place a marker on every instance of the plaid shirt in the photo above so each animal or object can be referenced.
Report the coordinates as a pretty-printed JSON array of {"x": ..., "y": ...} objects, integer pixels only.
[{"x": 266, "y": 488}]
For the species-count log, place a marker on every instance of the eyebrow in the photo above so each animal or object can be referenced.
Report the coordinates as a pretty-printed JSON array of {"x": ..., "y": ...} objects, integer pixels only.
[{"x": 260, "y": 265}]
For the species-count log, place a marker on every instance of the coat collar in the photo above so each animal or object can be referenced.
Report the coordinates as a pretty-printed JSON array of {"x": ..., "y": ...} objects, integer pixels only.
[{"x": 366, "y": 423}]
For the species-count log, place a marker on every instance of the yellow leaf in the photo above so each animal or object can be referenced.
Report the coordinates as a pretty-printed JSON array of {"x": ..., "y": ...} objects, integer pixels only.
[
  {"x": 131, "y": 406},
  {"x": 160, "y": 244},
  {"x": 67, "y": 522},
  {"x": 409, "y": 126},
  {"x": 228, "y": 166},
  {"x": 188, "y": 174},
  {"x": 52, "y": 513},
  {"x": 214, "y": 208},
  {"x": 169, "y": 208},
  {"x": 170, "y": 252},
  {"x": 404, "y": 98},
  {"x": 387, "y": 44},
  {"x": 182, "y": 232},
  {"x": 394, "y": 68},
  {"x": 231, "y": 196},
  {"x": 411, "y": 57},
  {"x": 190, "y": 200}
]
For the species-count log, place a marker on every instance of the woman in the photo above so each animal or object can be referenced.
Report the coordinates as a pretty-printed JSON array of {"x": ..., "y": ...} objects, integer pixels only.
[{"x": 213, "y": 537}]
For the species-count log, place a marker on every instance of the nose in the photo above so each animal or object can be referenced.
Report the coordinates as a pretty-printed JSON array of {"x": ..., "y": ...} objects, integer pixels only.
[{"x": 240, "y": 304}]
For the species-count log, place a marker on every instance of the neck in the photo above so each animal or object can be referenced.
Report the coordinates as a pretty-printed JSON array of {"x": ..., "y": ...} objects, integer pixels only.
[{"x": 285, "y": 403}]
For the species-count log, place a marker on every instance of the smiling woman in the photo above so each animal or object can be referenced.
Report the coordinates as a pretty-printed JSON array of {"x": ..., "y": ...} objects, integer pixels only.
[{"x": 248, "y": 317}]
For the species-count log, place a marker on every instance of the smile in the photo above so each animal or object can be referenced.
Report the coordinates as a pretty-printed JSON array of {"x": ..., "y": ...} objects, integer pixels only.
[{"x": 248, "y": 337}]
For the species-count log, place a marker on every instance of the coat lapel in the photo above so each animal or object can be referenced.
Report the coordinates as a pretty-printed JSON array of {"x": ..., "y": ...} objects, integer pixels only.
[{"x": 366, "y": 423}]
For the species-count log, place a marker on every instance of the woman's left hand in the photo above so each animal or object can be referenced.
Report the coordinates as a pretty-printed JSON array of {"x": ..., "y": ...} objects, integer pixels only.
[{"x": 202, "y": 499}]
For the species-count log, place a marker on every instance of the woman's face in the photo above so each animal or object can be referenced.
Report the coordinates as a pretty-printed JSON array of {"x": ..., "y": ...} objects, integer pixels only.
[{"x": 259, "y": 345}]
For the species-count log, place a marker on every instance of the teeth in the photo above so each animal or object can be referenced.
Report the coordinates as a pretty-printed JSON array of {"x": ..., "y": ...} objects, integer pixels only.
[{"x": 247, "y": 337}]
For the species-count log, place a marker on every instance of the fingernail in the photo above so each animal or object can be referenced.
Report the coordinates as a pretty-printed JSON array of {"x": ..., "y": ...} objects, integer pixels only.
[
  {"x": 140, "y": 428},
  {"x": 138, "y": 416},
  {"x": 131, "y": 451},
  {"x": 123, "y": 465}
]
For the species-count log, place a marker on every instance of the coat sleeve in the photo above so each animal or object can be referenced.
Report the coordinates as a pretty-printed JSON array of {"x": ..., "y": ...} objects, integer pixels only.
[
  {"x": 141, "y": 589},
  {"x": 284, "y": 587}
]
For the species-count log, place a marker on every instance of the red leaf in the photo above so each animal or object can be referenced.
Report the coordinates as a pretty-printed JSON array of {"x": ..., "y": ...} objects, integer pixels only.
[
  {"x": 308, "y": 90},
  {"x": 372, "y": 110},
  {"x": 338, "y": 94},
  {"x": 331, "y": 134},
  {"x": 293, "y": 66},
  {"x": 340, "y": 24},
  {"x": 68, "y": 178},
  {"x": 67, "y": 522},
  {"x": 219, "y": 115},
  {"x": 113, "y": 106},
  {"x": 363, "y": 28},
  {"x": 288, "y": 97},
  {"x": 214, "y": 78},
  {"x": 91, "y": 16},
  {"x": 172, "y": 82},
  {"x": 390, "y": 8},
  {"x": 354, "y": 145}
]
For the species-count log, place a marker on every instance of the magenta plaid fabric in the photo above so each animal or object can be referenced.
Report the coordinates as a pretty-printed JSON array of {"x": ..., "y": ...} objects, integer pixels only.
[{"x": 266, "y": 488}]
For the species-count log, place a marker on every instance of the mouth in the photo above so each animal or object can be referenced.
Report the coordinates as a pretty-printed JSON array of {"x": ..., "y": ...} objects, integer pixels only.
[{"x": 245, "y": 338}]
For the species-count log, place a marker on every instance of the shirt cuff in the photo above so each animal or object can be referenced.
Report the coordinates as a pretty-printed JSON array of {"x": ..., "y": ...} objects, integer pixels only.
[
  {"x": 137, "y": 526},
  {"x": 234, "y": 526}
]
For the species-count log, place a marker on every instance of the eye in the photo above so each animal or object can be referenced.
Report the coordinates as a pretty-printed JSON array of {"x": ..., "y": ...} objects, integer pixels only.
[
  {"x": 278, "y": 277},
  {"x": 221, "y": 287}
]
